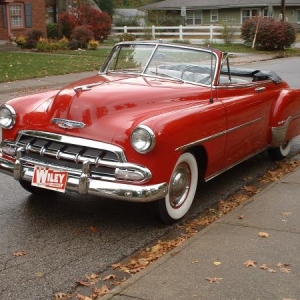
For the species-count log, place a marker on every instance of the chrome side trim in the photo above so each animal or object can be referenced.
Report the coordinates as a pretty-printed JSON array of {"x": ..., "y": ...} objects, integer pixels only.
[
  {"x": 232, "y": 166},
  {"x": 279, "y": 132},
  {"x": 208, "y": 138}
]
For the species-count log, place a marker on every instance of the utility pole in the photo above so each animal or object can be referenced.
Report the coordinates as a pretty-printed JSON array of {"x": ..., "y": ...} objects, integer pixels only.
[{"x": 282, "y": 10}]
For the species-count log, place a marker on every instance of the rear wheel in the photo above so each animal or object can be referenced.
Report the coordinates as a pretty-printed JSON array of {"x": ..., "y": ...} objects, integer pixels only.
[
  {"x": 35, "y": 190},
  {"x": 281, "y": 152},
  {"x": 182, "y": 190}
]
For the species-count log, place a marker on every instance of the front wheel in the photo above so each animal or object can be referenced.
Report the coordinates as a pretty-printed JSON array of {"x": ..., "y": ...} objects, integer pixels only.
[
  {"x": 182, "y": 190},
  {"x": 281, "y": 152}
]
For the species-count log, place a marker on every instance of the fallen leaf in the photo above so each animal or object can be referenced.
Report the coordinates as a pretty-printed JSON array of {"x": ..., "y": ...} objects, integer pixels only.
[
  {"x": 20, "y": 253},
  {"x": 271, "y": 270},
  {"x": 280, "y": 265},
  {"x": 39, "y": 274},
  {"x": 115, "y": 266},
  {"x": 286, "y": 213},
  {"x": 240, "y": 198},
  {"x": 251, "y": 189},
  {"x": 250, "y": 263},
  {"x": 93, "y": 229},
  {"x": 100, "y": 292},
  {"x": 83, "y": 283},
  {"x": 241, "y": 217},
  {"x": 60, "y": 296},
  {"x": 81, "y": 297},
  {"x": 264, "y": 267},
  {"x": 285, "y": 270},
  {"x": 213, "y": 279},
  {"x": 92, "y": 276},
  {"x": 217, "y": 263},
  {"x": 108, "y": 277},
  {"x": 264, "y": 234}
]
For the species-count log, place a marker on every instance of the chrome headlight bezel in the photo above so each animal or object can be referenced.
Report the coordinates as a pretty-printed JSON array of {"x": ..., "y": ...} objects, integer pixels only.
[
  {"x": 142, "y": 139},
  {"x": 7, "y": 112}
]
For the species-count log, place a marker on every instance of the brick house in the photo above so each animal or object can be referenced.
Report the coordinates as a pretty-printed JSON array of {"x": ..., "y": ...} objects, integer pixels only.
[{"x": 18, "y": 17}]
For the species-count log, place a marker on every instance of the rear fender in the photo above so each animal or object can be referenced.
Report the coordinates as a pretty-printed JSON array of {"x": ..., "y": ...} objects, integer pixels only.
[{"x": 285, "y": 117}]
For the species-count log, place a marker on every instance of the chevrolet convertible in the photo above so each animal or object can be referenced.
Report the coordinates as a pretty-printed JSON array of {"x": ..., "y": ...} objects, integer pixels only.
[{"x": 156, "y": 120}]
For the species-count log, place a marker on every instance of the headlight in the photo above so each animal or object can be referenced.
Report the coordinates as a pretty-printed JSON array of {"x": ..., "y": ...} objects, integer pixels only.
[
  {"x": 142, "y": 139},
  {"x": 7, "y": 116}
]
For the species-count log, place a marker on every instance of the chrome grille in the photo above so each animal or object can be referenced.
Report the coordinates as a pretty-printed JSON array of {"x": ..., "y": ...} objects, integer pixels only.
[{"x": 48, "y": 150}]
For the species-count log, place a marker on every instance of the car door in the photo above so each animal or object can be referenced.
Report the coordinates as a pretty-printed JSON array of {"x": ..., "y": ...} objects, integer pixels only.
[{"x": 247, "y": 106}]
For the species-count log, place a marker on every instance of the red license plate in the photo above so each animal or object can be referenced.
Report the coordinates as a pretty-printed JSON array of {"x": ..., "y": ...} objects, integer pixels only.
[{"x": 49, "y": 178}]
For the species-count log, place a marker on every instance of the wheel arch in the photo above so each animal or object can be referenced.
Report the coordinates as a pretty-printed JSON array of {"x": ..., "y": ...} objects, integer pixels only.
[{"x": 201, "y": 157}]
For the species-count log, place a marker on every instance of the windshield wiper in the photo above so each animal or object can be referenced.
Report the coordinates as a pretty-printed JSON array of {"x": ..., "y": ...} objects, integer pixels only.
[
  {"x": 135, "y": 71},
  {"x": 167, "y": 75}
]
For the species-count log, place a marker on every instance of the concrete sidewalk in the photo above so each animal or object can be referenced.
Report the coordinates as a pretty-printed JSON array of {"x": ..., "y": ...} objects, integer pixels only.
[{"x": 228, "y": 260}]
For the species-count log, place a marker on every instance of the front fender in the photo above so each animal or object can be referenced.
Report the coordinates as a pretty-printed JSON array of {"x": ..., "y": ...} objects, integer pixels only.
[{"x": 24, "y": 106}]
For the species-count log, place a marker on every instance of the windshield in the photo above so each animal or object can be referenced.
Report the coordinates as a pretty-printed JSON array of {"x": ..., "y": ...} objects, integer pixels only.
[
  {"x": 168, "y": 61},
  {"x": 130, "y": 58}
]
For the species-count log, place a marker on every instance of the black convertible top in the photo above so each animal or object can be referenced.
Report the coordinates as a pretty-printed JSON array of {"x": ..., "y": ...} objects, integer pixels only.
[{"x": 257, "y": 75}]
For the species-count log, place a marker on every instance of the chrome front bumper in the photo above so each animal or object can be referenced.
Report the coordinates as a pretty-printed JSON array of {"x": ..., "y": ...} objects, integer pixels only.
[{"x": 83, "y": 184}]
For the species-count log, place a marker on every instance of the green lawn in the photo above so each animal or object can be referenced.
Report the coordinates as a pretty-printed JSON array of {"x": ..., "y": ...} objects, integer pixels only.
[{"x": 25, "y": 65}]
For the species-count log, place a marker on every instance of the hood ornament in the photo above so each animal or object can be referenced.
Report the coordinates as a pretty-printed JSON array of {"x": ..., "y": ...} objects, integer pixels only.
[{"x": 67, "y": 124}]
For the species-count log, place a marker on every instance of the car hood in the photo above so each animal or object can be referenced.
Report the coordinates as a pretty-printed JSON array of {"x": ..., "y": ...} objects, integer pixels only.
[{"x": 105, "y": 104}]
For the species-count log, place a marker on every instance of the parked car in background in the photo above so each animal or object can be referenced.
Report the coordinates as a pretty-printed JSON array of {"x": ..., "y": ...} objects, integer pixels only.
[{"x": 155, "y": 121}]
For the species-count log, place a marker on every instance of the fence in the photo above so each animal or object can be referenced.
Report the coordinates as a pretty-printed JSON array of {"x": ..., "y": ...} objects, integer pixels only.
[{"x": 195, "y": 34}]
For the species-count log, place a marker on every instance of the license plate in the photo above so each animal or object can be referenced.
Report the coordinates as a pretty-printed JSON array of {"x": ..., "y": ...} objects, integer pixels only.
[{"x": 49, "y": 178}]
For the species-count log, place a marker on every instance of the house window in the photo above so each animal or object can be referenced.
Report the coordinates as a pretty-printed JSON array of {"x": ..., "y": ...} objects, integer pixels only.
[
  {"x": 268, "y": 12},
  {"x": 194, "y": 17},
  {"x": 16, "y": 13},
  {"x": 214, "y": 15},
  {"x": 249, "y": 13}
]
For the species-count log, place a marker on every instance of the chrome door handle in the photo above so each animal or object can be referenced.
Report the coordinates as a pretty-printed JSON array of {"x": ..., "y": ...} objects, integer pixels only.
[{"x": 260, "y": 89}]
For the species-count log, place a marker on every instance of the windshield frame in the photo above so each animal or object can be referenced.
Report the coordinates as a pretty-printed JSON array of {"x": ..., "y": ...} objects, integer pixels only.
[{"x": 154, "y": 47}]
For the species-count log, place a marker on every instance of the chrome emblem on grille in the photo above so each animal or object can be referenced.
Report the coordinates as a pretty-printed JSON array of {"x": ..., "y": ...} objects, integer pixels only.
[{"x": 67, "y": 124}]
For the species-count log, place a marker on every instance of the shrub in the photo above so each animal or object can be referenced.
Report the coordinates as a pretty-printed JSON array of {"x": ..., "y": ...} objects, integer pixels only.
[
  {"x": 48, "y": 45},
  {"x": 63, "y": 44},
  {"x": 33, "y": 38},
  {"x": 66, "y": 23},
  {"x": 52, "y": 31},
  {"x": 21, "y": 41},
  {"x": 98, "y": 22},
  {"x": 85, "y": 14},
  {"x": 43, "y": 45},
  {"x": 83, "y": 35},
  {"x": 126, "y": 37},
  {"x": 93, "y": 44},
  {"x": 73, "y": 45},
  {"x": 271, "y": 34},
  {"x": 227, "y": 33}
]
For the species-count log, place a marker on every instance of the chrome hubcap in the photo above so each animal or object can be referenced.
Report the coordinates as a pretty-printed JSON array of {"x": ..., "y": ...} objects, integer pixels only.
[{"x": 180, "y": 184}]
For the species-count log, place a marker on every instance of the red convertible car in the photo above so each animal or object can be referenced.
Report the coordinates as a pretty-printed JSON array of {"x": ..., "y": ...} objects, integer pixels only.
[{"x": 154, "y": 121}]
